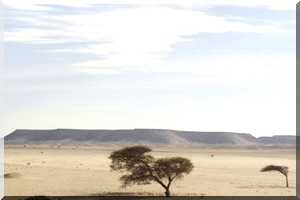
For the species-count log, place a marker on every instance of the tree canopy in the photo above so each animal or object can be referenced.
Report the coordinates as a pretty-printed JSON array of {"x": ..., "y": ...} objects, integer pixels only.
[
  {"x": 282, "y": 169},
  {"x": 139, "y": 167}
]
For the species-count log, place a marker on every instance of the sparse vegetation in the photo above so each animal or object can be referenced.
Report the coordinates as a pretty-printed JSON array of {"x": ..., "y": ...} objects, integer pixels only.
[
  {"x": 141, "y": 168},
  {"x": 11, "y": 175},
  {"x": 282, "y": 169},
  {"x": 8, "y": 175}
]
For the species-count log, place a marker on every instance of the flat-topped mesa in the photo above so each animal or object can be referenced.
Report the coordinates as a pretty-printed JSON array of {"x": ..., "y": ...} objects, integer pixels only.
[
  {"x": 278, "y": 139},
  {"x": 146, "y": 136}
]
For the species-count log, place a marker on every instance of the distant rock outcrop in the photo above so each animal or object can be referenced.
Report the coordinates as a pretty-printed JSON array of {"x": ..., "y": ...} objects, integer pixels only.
[
  {"x": 278, "y": 139},
  {"x": 146, "y": 136}
]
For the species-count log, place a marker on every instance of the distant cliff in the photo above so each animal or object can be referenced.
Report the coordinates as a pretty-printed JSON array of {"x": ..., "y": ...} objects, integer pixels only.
[
  {"x": 278, "y": 139},
  {"x": 146, "y": 136}
]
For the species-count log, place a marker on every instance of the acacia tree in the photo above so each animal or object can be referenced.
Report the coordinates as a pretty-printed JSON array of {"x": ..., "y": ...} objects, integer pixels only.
[
  {"x": 141, "y": 168},
  {"x": 282, "y": 169}
]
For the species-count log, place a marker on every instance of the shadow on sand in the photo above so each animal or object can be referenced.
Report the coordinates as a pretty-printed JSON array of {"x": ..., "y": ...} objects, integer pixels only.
[
  {"x": 265, "y": 186},
  {"x": 149, "y": 198}
]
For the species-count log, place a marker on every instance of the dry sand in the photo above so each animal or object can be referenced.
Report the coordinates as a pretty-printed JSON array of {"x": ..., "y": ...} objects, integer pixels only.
[{"x": 42, "y": 170}]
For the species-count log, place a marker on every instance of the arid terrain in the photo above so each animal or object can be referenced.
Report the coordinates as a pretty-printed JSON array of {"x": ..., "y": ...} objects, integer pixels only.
[{"x": 84, "y": 170}]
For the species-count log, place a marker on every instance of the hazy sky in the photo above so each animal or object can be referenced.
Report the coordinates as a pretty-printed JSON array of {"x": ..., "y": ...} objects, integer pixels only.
[{"x": 199, "y": 66}]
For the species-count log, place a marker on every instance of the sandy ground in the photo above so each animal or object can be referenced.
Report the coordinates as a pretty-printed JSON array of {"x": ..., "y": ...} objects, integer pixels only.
[{"x": 37, "y": 170}]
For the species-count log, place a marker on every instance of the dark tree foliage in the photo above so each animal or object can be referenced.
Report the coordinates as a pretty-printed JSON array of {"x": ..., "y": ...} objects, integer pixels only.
[
  {"x": 282, "y": 169},
  {"x": 141, "y": 168}
]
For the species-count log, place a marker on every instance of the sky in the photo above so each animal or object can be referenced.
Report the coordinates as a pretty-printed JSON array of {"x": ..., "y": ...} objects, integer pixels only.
[{"x": 195, "y": 66}]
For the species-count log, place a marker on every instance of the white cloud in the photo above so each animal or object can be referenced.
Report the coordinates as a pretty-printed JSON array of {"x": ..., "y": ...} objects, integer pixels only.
[
  {"x": 37, "y": 36},
  {"x": 22, "y": 6},
  {"x": 129, "y": 39},
  {"x": 41, "y": 5},
  {"x": 142, "y": 37},
  {"x": 123, "y": 24},
  {"x": 276, "y": 5},
  {"x": 134, "y": 39}
]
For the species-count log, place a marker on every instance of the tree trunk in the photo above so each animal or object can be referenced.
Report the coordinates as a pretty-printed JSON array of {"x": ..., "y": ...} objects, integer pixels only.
[
  {"x": 287, "y": 181},
  {"x": 168, "y": 193}
]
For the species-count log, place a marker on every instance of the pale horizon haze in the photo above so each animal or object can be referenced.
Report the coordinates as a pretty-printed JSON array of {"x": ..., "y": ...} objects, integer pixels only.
[{"x": 197, "y": 66}]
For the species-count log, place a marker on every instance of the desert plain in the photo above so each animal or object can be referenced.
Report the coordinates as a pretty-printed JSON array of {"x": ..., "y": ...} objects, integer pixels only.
[{"x": 74, "y": 170}]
